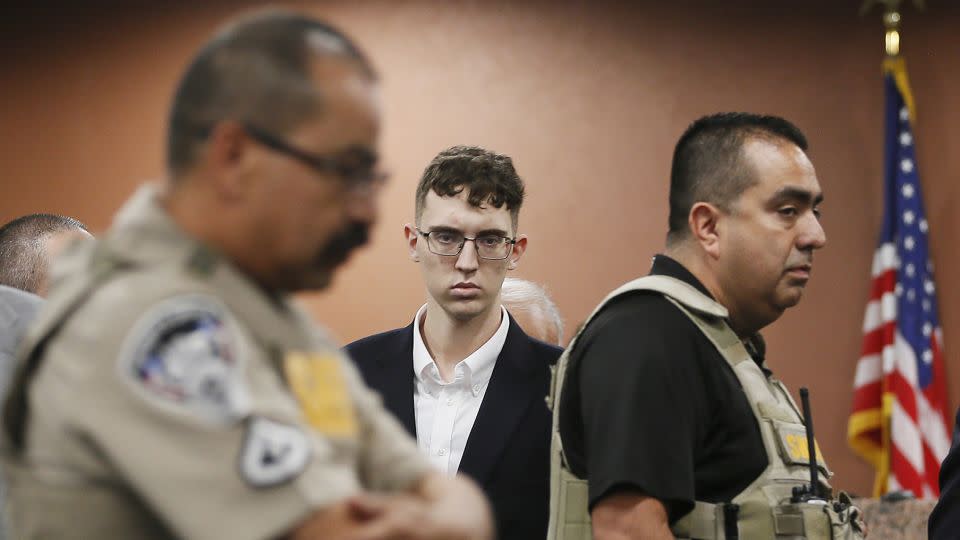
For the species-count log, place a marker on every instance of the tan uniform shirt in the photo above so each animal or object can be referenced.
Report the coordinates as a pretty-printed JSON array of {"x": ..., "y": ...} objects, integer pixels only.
[{"x": 180, "y": 400}]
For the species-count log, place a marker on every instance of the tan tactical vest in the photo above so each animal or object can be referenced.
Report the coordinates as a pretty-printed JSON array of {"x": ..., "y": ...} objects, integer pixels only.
[{"x": 762, "y": 510}]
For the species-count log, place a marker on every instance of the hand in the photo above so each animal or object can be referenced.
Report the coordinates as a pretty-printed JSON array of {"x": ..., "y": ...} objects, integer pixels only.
[
  {"x": 339, "y": 521},
  {"x": 438, "y": 508},
  {"x": 398, "y": 517}
]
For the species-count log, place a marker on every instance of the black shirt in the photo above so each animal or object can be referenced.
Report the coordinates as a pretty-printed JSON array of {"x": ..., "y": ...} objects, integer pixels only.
[{"x": 650, "y": 405}]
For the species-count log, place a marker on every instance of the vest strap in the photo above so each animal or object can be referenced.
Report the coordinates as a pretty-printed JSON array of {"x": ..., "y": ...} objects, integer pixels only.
[{"x": 730, "y": 529}]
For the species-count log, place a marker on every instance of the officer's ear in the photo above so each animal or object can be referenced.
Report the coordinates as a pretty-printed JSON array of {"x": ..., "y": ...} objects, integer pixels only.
[
  {"x": 705, "y": 227},
  {"x": 229, "y": 157},
  {"x": 410, "y": 232}
]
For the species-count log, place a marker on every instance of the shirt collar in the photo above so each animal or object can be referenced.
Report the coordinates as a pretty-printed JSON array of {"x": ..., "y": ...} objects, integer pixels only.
[
  {"x": 144, "y": 232},
  {"x": 665, "y": 266},
  {"x": 473, "y": 371},
  {"x": 421, "y": 357}
]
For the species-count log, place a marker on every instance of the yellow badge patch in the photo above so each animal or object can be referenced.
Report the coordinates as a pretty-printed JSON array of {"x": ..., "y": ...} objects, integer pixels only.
[
  {"x": 318, "y": 382},
  {"x": 793, "y": 444}
]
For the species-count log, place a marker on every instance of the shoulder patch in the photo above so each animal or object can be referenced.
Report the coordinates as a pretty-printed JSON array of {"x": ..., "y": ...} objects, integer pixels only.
[
  {"x": 273, "y": 452},
  {"x": 185, "y": 354}
]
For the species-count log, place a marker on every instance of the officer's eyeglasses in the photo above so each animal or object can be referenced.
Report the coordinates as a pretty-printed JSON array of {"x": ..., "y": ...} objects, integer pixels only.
[
  {"x": 356, "y": 166},
  {"x": 450, "y": 243}
]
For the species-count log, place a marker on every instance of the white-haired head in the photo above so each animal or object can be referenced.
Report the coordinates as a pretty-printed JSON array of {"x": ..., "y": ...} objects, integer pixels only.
[{"x": 533, "y": 309}]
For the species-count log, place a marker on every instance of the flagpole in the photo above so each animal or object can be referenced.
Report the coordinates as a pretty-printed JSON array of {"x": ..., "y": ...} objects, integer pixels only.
[{"x": 894, "y": 65}]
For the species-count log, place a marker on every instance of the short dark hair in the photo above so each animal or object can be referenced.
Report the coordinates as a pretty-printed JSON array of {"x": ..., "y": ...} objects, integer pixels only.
[
  {"x": 23, "y": 261},
  {"x": 708, "y": 163},
  {"x": 255, "y": 71},
  {"x": 489, "y": 177}
]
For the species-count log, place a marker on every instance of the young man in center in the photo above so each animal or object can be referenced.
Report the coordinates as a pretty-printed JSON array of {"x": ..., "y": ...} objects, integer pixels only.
[{"x": 463, "y": 377}]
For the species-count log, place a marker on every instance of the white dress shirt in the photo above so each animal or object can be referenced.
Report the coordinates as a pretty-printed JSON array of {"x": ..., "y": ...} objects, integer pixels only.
[{"x": 445, "y": 411}]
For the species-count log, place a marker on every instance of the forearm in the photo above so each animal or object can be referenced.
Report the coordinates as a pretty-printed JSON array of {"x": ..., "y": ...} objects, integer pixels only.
[{"x": 628, "y": 516}]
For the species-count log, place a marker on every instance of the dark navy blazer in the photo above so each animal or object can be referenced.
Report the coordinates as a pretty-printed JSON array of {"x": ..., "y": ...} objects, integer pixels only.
[{"x": 508, "y": 449}]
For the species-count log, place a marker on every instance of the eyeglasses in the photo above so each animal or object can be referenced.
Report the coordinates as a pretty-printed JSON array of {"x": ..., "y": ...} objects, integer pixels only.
[
  {"x": 356, "y": 166},
  {"x": 450, "y": 243}
]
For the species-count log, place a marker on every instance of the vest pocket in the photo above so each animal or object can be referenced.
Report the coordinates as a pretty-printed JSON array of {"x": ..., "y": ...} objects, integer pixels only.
[{"x": 816, "y": 521}]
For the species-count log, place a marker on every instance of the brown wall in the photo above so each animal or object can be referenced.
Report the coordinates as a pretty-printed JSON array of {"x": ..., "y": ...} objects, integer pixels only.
[{"x": 587, "y": 97}]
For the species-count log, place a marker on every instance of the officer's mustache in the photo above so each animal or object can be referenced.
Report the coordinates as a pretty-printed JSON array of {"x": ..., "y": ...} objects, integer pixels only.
[{"x": 340, "y": 246}]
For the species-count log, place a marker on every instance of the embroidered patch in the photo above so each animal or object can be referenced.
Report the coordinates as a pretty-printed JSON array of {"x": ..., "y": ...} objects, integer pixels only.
[
  {"x": 794, "y": 448},
  {"x": 184, "y": 354},
  {"x": 273, "y": 453},
  {"x": 321, "y": 388}
]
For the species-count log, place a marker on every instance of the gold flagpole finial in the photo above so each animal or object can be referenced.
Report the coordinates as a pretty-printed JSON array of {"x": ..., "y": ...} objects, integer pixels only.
[{"x": 891, "y": 21}]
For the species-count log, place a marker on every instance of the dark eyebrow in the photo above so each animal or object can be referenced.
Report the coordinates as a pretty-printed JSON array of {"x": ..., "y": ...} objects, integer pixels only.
[
  {"x": 485, "y": 232},
  {"x": 443, "y": 228},
  {"x": 790, "y": 193},
  {"x": 497, "y": 232}
]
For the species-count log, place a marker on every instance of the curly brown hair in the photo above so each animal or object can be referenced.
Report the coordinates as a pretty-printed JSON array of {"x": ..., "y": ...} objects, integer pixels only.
[{"x": 488, "y": 177}]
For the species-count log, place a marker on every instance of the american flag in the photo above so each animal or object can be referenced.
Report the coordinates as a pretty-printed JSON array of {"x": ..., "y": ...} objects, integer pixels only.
[{"x": 899, "y": 418}]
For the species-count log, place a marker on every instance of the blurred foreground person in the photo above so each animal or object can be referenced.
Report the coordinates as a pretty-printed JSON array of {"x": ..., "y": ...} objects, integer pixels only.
[
  {"x": 171, "y": 389},
  {"x": 669, "y": 422}
]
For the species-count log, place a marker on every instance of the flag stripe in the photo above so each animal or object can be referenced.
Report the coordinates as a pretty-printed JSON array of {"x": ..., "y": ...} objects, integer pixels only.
[{"x": 868, "y": 371}]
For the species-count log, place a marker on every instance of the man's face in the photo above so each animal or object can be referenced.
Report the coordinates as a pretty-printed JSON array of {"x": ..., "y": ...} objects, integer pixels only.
[
  {"x": 769, "y": 235},
  {"x": 464, "y": 285},
  {"x": 306, "y": 221}
]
